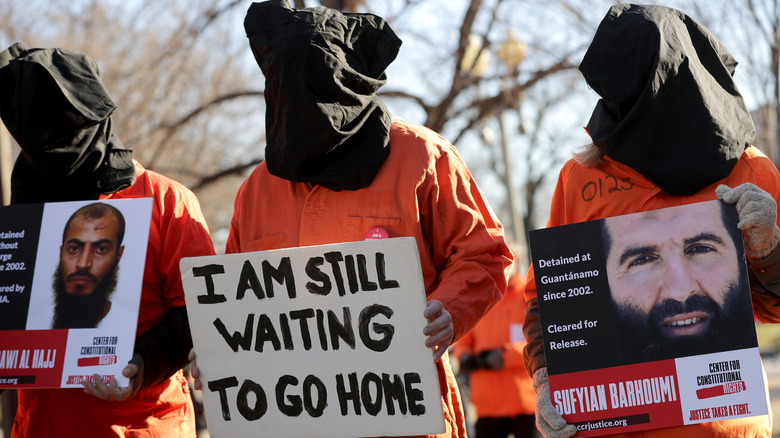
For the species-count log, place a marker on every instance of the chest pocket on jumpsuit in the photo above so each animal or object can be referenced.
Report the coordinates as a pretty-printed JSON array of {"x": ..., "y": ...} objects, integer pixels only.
[{"x": 276, "y": 241}]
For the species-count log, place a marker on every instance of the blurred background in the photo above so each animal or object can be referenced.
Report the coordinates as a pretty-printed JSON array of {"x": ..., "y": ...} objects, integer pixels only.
[{"x": 497, "y": 78}]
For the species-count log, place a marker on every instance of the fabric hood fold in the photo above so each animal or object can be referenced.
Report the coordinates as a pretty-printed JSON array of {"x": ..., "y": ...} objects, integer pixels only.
[
  {"x": 54, "y": 104},
  {"x": 324, "y": 123},
  {"x": 669, "y": 106}
]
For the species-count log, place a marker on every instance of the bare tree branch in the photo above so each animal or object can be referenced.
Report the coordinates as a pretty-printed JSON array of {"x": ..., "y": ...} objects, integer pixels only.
[
  {"x": 437, "y": 116},
  {"x": 507, "y": 98},
  {"x": 172, "y": 127},
  {"x": 397, "y": 94},
  {"x": 216, "y": 177},
  {"x": 758, "y": 21}
]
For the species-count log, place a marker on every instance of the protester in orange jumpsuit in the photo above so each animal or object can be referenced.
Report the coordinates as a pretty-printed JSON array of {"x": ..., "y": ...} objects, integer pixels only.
[
  {"x": 671, "y": 129},
  {"x": 338, "y": 169},
  {"x": 491, "y": 356},
  {"x": 55, "y": 106}
]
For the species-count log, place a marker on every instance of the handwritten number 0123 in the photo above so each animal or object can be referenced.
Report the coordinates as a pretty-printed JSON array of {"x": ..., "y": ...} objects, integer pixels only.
[{"x": 596, "y": 188}]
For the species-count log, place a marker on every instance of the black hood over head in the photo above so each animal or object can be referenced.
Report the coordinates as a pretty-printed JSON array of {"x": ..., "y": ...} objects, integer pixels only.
[
  {"x": 55, "y": 106},
  {"x": 324, "y": 123},
  {"x": 670, "y": 108}
]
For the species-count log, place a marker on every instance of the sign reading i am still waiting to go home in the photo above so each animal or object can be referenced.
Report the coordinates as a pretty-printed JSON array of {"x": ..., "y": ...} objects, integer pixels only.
[{"x": 313, "y": 341}]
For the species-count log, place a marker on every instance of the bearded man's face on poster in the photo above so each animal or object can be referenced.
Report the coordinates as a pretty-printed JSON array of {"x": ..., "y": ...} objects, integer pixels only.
[
  {"x": 677, "y": 282},
  {"x": 86, "y": 275}
]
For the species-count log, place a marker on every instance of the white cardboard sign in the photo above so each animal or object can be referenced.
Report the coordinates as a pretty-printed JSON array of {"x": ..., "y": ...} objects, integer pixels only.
[{"x": 314, "y": 341}]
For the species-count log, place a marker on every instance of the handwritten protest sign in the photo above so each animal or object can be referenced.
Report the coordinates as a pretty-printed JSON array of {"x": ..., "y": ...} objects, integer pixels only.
[
  {"x": 647, "y": 320},
  {"x": 314, "y": 341},
  {"x": 63, "y": 319}
]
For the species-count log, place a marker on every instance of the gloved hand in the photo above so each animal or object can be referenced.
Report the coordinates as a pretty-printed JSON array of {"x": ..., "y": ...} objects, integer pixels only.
[
  {"x": 757, "y": 218},
  {"x": 548, "y": 420},
  {"x": 468, "y": 363},
  {"x": 492, "y": 359}
]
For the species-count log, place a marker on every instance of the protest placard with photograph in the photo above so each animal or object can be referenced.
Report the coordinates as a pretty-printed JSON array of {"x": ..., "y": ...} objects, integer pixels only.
[
  {"x": 314, "y": 341},
  {"x": 71, "y": 275},
  {"x": 647, "y": 319}
]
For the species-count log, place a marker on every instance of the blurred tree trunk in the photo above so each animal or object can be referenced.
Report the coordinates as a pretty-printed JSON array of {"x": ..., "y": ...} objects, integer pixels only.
[{"x": 6, "y": 165}]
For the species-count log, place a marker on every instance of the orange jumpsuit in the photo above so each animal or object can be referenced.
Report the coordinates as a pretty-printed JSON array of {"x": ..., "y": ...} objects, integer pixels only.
[
  {"x": 424, "y": 190},
  {"x": 178, "y": 229},
  {"x": 507, "y": 392},
  {"x": 613, "y": 189}
]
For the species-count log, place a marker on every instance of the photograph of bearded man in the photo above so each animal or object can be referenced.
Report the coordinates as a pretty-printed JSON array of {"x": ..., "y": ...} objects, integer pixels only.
[
  {"x": 86, "y": 275},
  {"x": 678, "y": 282}
]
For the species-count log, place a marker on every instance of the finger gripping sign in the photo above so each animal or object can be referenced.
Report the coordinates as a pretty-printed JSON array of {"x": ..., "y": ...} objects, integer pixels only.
[{"x": 298, "y": 341}]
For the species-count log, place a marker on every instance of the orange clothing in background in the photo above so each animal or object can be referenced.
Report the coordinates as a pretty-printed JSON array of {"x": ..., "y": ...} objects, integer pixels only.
[
  {"x": 613, "y": 189},
  {"x": 509, "y": 391},
  {"x": 423, "y": 190},
  {"x": 178, "y": 229}
]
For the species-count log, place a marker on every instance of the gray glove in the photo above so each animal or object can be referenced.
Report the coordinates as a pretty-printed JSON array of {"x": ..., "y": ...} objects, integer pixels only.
[
  {"x": 548, "y": 420},
  {"x": 757, "y": 218}
]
